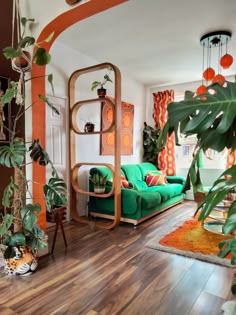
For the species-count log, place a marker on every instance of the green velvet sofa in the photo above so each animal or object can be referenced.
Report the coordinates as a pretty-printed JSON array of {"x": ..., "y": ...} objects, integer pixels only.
[{"x": 139, "y": 202}]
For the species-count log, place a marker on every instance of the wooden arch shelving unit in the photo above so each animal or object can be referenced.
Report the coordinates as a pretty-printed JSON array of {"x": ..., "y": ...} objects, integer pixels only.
[{"x": 74, "y": 130}]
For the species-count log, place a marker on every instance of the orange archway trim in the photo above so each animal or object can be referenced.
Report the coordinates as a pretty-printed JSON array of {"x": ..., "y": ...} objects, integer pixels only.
[{"x": 58, "y": 25}]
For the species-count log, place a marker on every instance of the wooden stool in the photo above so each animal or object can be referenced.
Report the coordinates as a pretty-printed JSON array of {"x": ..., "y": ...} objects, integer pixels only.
[{"x": 57, "y": 215}]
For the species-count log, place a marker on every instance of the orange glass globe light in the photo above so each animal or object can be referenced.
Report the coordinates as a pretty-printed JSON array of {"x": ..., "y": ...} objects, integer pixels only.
[
  {"x": 201, "y": 90},
  {"x": 226, "y": 61},
  {"x": 208, "y": 74},
  {"x": 219, "y": 78}
]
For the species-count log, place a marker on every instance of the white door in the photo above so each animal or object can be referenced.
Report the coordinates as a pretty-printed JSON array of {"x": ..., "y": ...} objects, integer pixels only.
[{"x": 57, "y": 138}]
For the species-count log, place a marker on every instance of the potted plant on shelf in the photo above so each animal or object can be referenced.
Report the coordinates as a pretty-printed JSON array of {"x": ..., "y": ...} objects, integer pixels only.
[
  {"x": 101, "y": 91},
  {"x": 99, "y": 183},
  {"x": 212, "y": 118},
  {"x": 20, "y": 236},
  {"x": 89, "y": 126}
]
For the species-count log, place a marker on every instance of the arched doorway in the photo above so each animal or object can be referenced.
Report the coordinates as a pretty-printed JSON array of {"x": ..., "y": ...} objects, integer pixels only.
[{"x": 58, "y": 25}]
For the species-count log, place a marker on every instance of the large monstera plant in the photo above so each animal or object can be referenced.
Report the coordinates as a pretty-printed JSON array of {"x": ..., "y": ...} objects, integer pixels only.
[
  {"x": 18, "y": 219},
  {"x": 212, "y": 118}
]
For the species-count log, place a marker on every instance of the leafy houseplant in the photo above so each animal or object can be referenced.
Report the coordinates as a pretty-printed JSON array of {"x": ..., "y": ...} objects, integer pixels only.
[
  {"x": 100, "y": 84},
  {"x": 212, "y": 118},
  {"x": 89, "y": 126},
  {"x": 99, "y": 182},
  {"x": 18, "y": 220},
  {"x": 150, "y": 148}
]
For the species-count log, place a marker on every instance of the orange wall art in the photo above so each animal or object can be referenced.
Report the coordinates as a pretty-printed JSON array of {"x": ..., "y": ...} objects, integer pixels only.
[{"x": 127, "y": 122}]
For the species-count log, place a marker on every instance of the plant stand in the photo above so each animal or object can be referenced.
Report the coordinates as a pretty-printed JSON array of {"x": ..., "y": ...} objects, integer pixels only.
[{"x": 57, "y": 215}]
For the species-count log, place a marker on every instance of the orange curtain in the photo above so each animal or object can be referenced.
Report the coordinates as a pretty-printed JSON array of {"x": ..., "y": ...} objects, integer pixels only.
[{"x": 166, "y": 158}]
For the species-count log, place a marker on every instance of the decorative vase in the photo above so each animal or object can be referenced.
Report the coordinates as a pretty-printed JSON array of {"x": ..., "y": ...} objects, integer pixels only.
[
  {"x": 99, "y": 189},
  {"x": 23, "y": 263}
]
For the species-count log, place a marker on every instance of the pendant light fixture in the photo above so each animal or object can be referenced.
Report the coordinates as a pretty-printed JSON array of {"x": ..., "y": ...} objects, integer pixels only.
[{"x": 212, "y": 41}]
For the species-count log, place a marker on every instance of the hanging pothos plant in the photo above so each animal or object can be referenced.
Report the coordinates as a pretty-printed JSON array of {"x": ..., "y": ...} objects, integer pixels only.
[{"x": 212, "y": 118}]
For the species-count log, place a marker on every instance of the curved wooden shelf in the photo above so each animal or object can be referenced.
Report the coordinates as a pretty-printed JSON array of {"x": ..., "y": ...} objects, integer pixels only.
[
  {"x": 78, "y": 105},
  {"x": 74, "y": 130},
  {"x": 75, "y": 183}
]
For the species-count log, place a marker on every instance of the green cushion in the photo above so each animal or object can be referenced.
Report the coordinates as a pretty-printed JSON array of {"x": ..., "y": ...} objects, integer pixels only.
[
  {"x": 129, "y": 202},
  {"x": 138, "y": 185},
  {"x": 168, "y": 191},
  {"x": 132, "y": 172},
  {"x": 145, "y": 167},
  {"x": 149, "y": 199}
]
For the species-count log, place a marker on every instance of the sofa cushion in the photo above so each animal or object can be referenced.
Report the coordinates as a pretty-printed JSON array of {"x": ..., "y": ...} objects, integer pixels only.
[
  {"x": 167, "y": 191},
  {"x": 149, "y": 199},
  {"x": 138, "y": 185},
  {"x": 132, "y": 172},
  {"x": 146, "y": 167},
  {"x": 155, "y": 178}
]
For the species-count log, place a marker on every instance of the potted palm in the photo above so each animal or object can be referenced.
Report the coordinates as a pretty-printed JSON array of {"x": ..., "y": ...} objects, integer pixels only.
[
  {"x": 212, "y": 118},
  {"x": 20, "y": 236},
  {"x": 99, "y": 183}
]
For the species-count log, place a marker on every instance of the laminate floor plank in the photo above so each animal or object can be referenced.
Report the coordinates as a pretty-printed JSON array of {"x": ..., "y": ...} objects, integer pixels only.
[{"x": 112, "y": 272}]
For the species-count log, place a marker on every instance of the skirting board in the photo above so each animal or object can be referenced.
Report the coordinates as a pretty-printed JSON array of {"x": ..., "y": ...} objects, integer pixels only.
[{"x": 135, "y": 222}]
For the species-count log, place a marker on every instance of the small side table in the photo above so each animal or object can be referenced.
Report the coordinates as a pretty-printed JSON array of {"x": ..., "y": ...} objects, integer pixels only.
[{"x": 57, "y": 215}]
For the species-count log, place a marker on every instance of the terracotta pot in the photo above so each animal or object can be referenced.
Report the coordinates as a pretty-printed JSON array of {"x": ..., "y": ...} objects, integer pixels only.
[{"x": 23, "y": 264}]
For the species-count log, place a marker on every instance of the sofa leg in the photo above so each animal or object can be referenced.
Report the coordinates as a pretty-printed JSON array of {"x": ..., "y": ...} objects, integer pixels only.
[{"x": 135, "y": 226}]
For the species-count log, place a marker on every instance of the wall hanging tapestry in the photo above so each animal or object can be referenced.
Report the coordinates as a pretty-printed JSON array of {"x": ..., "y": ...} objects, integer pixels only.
[
  {"x": 190, "y": 239},
  {"x": 127, "y": 121}
]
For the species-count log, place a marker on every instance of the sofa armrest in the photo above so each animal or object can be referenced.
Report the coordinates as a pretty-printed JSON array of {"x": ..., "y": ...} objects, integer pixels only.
[
  {"x": 130, "y": 200},
  {"x": 176, "y": 179}
]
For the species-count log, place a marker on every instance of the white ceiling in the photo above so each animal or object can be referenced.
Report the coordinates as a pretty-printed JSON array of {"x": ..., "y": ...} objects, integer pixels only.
[{"x": 156, "y": 42}]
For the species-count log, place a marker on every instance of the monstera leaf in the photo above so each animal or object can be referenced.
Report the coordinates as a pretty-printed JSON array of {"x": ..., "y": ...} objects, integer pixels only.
[
  {"x": 12, "y": 155},
  {"x": 38, "y": 154},
  {"x": 210, "y": 116},
  {"x": 221, "y": 187},
  {"x": 55, "y": 193},
  {"x": 9, "y": 193}
]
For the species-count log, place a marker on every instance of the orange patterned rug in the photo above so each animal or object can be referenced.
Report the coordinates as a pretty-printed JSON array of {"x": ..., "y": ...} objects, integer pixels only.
[{"x": 191, "y": 240}]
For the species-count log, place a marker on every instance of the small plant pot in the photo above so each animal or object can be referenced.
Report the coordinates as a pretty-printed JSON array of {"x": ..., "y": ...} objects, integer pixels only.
[
  {"x": 99, "y": 189},
  {"x": 101, "y": 92},
  {"x": 89, "y": 127}
]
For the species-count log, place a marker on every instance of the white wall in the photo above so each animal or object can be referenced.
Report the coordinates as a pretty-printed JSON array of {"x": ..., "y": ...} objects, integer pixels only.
[
  {"x": 64, "y": 62},
  {"x": 44, "y": 11}
]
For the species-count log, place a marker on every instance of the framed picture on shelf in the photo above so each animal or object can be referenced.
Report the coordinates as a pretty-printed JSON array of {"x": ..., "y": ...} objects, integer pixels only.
[{"x": 5, "y": 112}]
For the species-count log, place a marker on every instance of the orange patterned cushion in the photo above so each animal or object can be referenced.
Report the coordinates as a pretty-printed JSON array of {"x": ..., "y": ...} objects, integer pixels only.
[
  {"x": 124, "y": 182},
  {"x": 155, "y": 178}
]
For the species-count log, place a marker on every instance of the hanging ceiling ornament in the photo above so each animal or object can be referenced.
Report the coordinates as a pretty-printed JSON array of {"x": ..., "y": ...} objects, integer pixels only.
[{"x": 209, "y": 41}]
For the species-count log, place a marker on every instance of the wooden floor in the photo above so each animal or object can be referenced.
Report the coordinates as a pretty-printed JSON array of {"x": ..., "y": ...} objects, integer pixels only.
[{"x": 112, "y": 272}]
